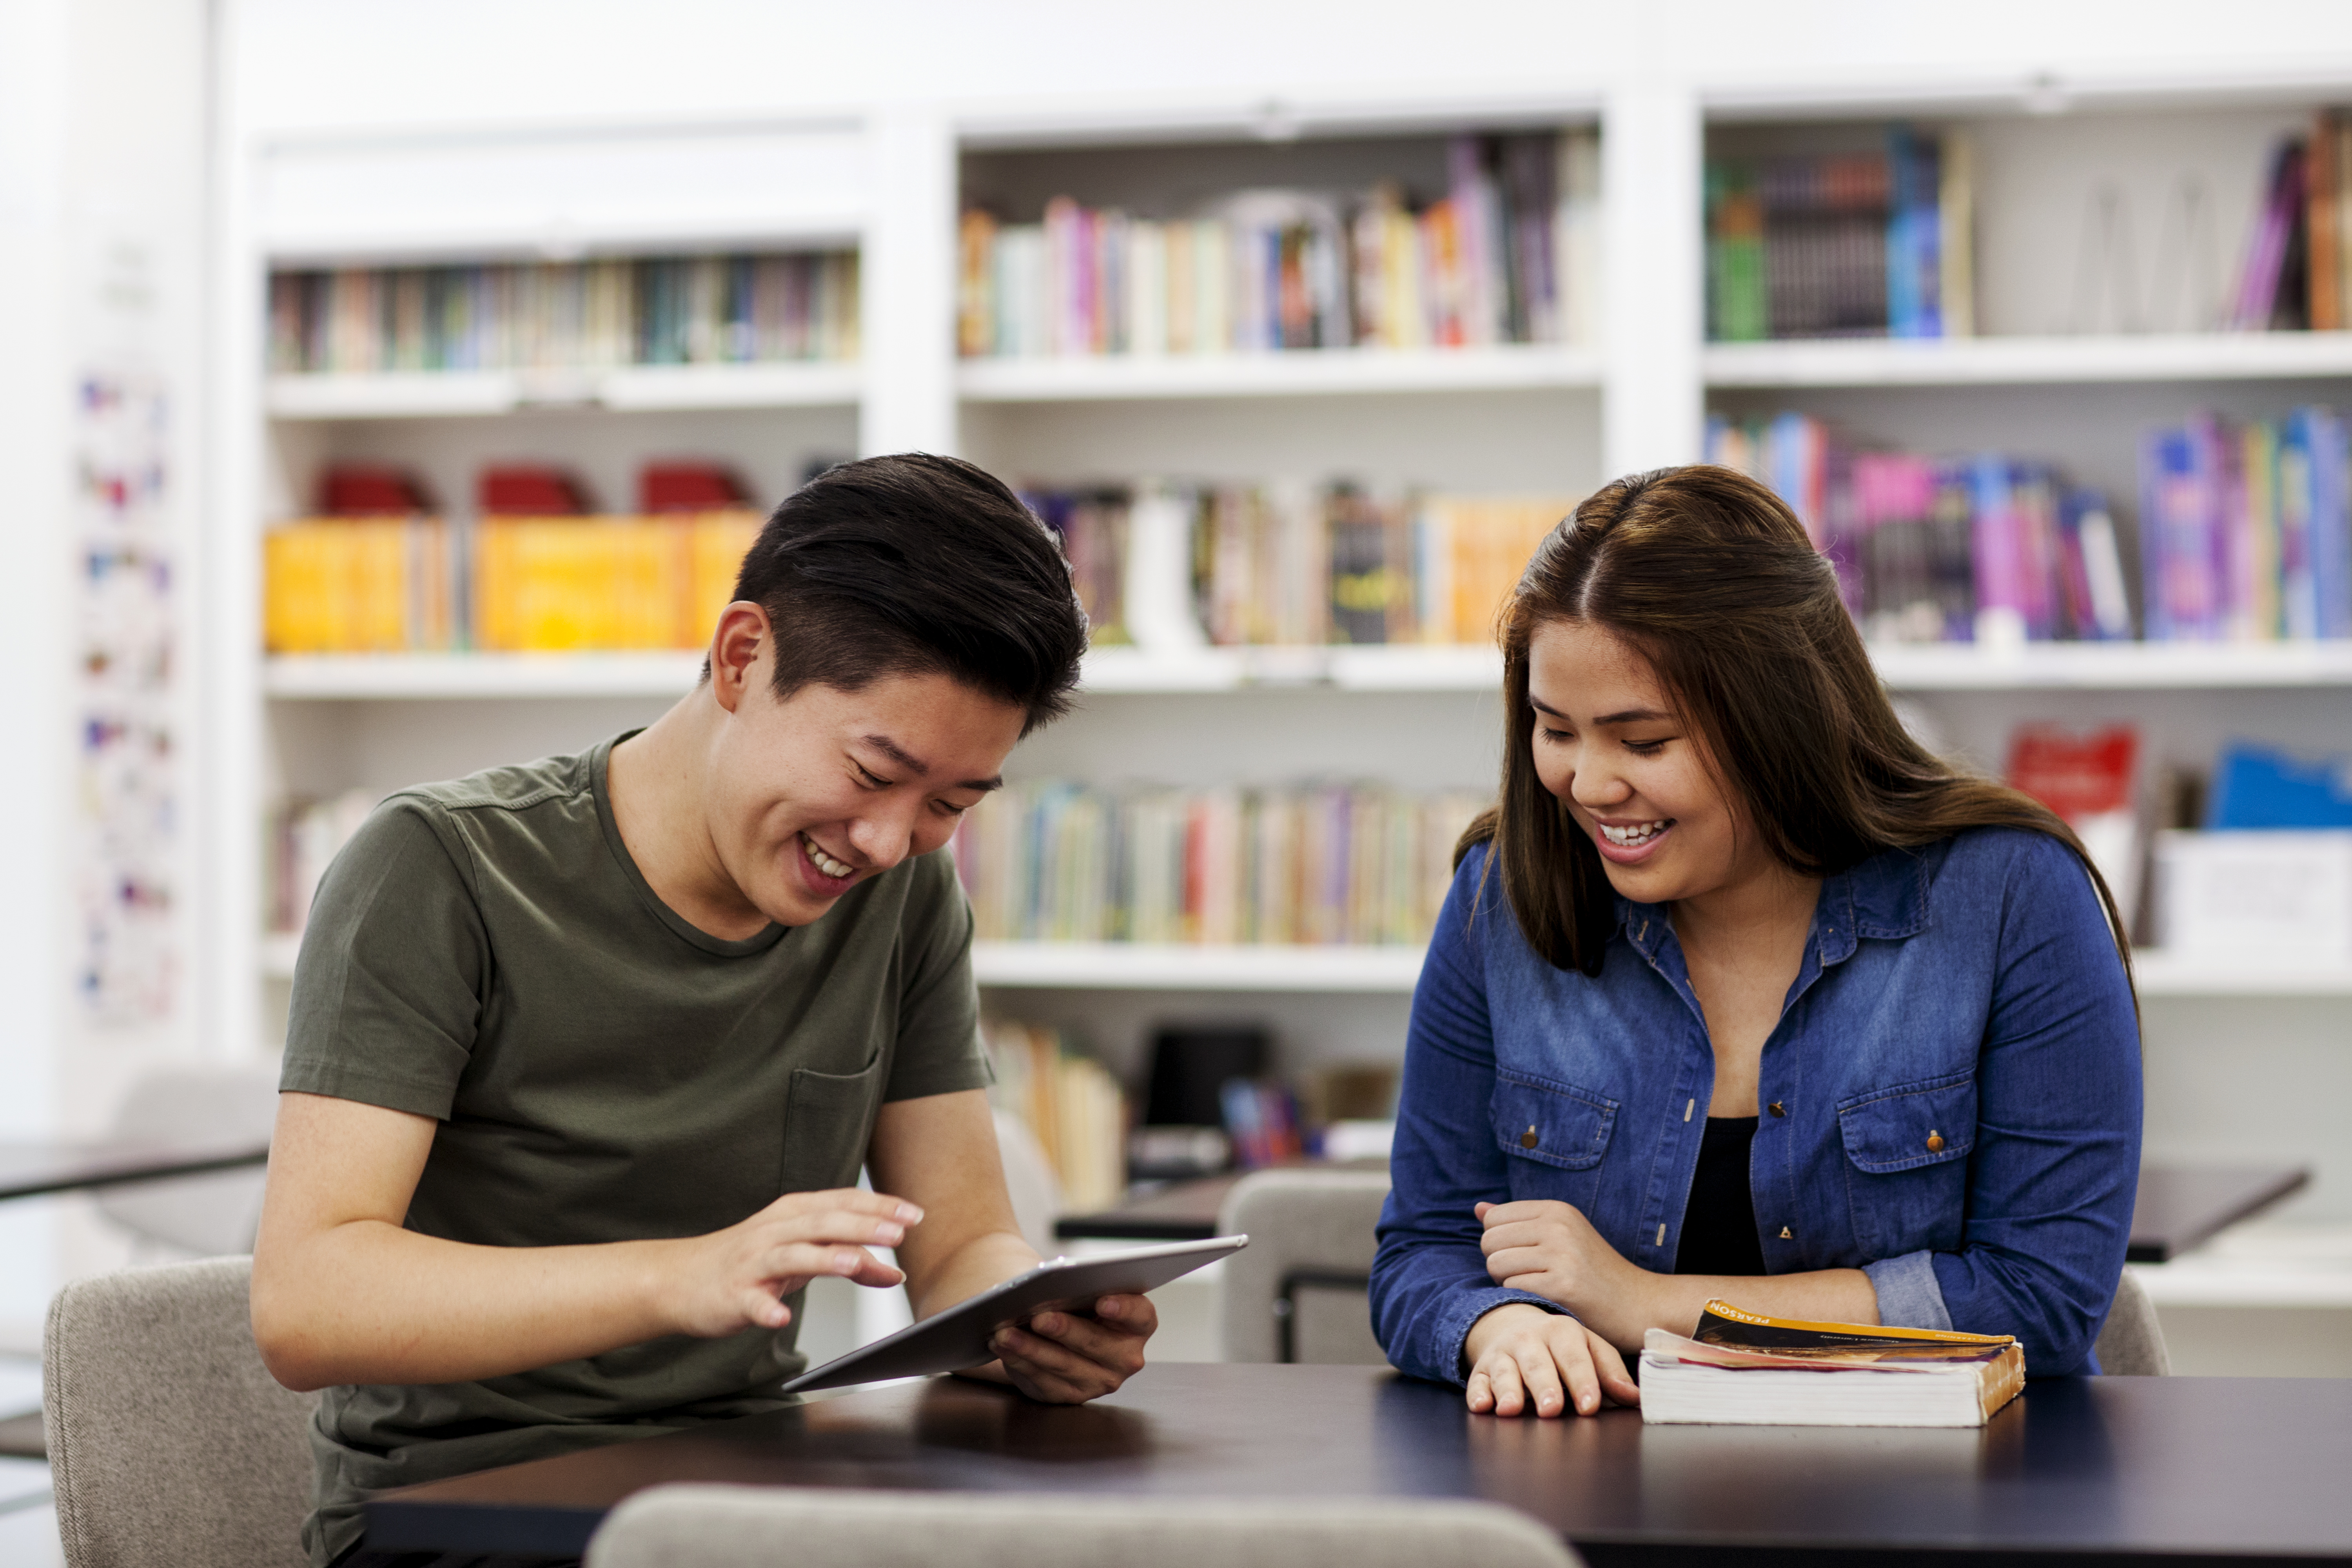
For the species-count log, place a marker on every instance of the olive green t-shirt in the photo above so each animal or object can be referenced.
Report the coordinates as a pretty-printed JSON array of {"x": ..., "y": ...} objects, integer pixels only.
[{"x": 487, "y": 954}]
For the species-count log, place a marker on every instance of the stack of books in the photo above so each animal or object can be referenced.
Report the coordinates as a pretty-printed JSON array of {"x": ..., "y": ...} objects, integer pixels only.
[
  {"x": 706, "y": 309},
  {"x": 2246, "y": 529},
  {"x": 1859, "y": 244},
  {"x": 1986, "y": 548},
  {"x": 1054, "y": 860},
  {"x": 1507, "y": 253},
  {"x": 1069, "y": 1102},
  {"x": 1741, "y": 1368}
]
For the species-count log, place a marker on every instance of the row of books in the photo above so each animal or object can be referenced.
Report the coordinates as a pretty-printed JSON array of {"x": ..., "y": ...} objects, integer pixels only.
[
  {"x": 516, "y": 585},
  {"x": 1508, "y": 252},
  {"x": 1070, "y": 1103},
  {"x": 704, "y": 310},
  {"x": 1291, "y": 565},
  {"x": 2246, "y": 529},
  {"x": 1054, "y": 860},
  {"x": 1985, "y": 548},
  {"x": 1854, "y": 245}
]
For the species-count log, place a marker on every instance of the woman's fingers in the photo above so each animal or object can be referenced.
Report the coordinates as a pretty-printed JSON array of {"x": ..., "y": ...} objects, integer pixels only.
[
  {"x": 1615, "y": 1381},
  {"x": 1479, "y": 1393},
  {"x": 1575, "y": 1362},
  {"x": 1541, "y": 1378},
  {"x": 1503, "y": 1376}
]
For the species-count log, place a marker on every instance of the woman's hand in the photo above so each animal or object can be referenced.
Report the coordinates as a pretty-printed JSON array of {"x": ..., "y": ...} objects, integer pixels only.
[
  {"x": 1551, "y": 1249},
  {"x": 737, "y": 1278},
  {"x": 1062, "y": 1358},
  {"x": 1521, "y": 1355}
]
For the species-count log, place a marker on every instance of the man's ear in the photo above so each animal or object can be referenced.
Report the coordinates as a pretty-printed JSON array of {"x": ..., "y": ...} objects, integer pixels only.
[{"x": 744, "y": 635}]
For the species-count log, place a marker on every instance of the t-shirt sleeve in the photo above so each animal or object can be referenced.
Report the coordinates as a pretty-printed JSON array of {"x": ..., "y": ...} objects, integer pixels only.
[
  {"x": 387, "y": 990},
  {"x": 940, "y": 1050}
]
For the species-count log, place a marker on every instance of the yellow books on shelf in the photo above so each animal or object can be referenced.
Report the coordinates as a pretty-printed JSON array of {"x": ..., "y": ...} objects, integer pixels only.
[
  {"x": 721, "y": 540},
  {"x": 355, "y": 585}
]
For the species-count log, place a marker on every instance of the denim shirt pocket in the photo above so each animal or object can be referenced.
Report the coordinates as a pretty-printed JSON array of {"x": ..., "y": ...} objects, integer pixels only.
[
  {"x": 1907, "y": 1148},
  {"x": 1538, "y": 1123}
]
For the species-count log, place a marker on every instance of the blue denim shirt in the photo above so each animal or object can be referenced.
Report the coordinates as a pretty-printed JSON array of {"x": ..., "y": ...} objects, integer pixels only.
[{"x": 1953, "y": 1093}]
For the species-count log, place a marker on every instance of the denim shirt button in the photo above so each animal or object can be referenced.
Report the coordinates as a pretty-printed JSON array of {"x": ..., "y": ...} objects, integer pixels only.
[
  {"x": 1529, "y": 1140},
  {"x": 1777, "y": 1109}
]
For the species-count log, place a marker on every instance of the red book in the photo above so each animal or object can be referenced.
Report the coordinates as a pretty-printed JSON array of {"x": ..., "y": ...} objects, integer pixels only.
[
  {"x": 529, "y": 491},
  {"x": 688, "y": 486},
  {"x": 366, "y": 490}
]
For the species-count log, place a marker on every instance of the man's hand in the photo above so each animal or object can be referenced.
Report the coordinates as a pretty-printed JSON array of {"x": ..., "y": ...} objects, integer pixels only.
[
  {"x": 1551, "y": 1249},
  {"x": 1062, "y": 1358},
  {"x": 737, "y": 1278},
  {"x": 1523, "y": 1356}
]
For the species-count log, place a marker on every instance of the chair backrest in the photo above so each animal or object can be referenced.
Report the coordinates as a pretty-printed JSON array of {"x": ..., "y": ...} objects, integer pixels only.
[
  {"x": 2131, "y": 1342},
  {"x": 215, "y": 1213},
  {"x": 774, "y": 1527},
  {"x": 1298, "y": 1293},
  {"x": 1029, "y": 1183},
  {"x": 170, "y": 1444}
]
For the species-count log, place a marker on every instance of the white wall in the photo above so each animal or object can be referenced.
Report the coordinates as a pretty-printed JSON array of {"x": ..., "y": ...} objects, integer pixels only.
[{"x": 102, "y": 193}]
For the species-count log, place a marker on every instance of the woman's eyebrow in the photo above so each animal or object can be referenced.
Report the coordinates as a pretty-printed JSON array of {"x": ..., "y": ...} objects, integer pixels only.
[{"x": 1633, "y": 716}]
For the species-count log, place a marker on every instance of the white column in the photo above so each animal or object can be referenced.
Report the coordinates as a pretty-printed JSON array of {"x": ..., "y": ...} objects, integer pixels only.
[
  {"x": 1653, "y": 248},
  {"x": 908, "y": 283}
]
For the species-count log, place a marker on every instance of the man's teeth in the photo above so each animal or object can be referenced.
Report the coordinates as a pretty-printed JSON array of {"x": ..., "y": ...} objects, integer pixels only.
[
  {"x": 1640, "y": 833},
  {"x": 823, "y": 862}
]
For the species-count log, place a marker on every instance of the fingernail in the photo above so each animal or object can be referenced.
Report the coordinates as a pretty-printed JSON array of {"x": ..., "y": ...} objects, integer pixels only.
[
  {"x": 910, "y": 1213},
  {"x": 1108, "y": 1307},
  {"x": 846, "y": 1262},
  {"x": 888, "y": 1235}
]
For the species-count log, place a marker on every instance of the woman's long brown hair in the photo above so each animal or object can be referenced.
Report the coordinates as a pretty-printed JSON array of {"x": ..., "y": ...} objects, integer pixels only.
[{"x": 1710, "y": 576}]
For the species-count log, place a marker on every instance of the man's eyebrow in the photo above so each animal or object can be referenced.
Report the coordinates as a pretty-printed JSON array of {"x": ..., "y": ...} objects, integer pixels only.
[{"x": 922, "y": 769}]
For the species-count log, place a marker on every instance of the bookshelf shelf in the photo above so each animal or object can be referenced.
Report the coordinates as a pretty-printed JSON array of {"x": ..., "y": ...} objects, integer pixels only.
[
  {"x": 1298, "y": 372},
  {"x": 420, "y": 395},
  {"x": 1136, "y": 966},
  {"x": 1991, "y": 362},
  {"x": 432, "y": 676},
  {"x": 2083, "y": 667},
  {"x": 1139, "y": 967}
]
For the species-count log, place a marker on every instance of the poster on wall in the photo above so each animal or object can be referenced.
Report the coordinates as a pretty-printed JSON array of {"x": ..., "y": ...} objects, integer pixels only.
[{"x": 128, "y": 964}]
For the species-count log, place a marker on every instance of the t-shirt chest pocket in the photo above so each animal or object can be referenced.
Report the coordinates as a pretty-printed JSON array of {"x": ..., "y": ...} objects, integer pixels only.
[{"x": 1541, "y": 1123}]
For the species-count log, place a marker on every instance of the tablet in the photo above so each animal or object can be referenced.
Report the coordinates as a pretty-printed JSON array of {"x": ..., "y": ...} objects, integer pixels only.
[{"x": 957, "y": 1338}]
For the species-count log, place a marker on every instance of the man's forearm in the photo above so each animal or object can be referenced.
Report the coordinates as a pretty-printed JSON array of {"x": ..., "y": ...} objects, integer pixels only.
[{"x": 369, "y": 1301}]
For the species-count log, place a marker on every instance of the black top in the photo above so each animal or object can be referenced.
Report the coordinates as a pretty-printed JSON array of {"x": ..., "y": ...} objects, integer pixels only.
[{"x": 1720, "y": 1224}]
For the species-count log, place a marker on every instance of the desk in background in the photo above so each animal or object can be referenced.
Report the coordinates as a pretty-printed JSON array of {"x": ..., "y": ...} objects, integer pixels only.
[
  {"x": 2178, "y": 1209},
  {"x": 2125, "y": 1471}
]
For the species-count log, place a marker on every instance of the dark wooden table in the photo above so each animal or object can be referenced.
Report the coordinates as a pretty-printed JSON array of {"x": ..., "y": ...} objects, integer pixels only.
[
  {"x": 2178, "y": 1208},
  {"x": 31, "y": 1169},
  {"x": 2092, "y": 1471}
]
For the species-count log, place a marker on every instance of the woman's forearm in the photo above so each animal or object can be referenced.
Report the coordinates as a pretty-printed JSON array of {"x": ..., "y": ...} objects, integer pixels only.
[{"x": 1673, "y": 1302}]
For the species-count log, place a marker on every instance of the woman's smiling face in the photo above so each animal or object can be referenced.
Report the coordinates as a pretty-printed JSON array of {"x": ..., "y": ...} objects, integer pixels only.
[{"x": 1609, "y": 742}]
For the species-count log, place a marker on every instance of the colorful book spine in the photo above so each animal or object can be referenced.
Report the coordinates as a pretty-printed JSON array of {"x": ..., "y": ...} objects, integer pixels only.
[
  {"x": 1506, "y": 252},
  {"x": 1056, "y": 861},
  {"x": 565, "y": 316},
  {"x": 1069, "y": 1102}
]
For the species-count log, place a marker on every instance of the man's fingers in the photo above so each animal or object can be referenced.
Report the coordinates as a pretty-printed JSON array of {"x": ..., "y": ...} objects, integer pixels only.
[
  {"x": 1133, "y": 1314},
  {"x": 857, "y": 1228},
  {"x": 806, "y": 1260},
  {"x": 764, "y": 1310},
  {"x": 1107, "y": 1344},
  {"x": 856, "y": 1200}
]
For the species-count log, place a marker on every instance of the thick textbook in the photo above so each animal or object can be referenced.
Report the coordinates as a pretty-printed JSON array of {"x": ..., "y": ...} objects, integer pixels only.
[{"x": 1741, "y": 1368}]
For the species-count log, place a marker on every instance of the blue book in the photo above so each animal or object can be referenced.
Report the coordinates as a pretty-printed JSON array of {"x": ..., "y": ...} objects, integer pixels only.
[
  {"x": 2257, "y": 786},
  {"x": 1914, "y": 236},
  {"x": 2317, "y": 435}
]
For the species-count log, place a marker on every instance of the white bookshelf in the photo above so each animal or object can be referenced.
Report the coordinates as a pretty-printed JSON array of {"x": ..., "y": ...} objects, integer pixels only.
[
  {"x": 2010, "y": 361},
  {"x": 1127, "y": 672},
  {"x": 1521, "y": 419},
  {"x": 1294, "y": 373},
  {"x": 422, "y": 395}
]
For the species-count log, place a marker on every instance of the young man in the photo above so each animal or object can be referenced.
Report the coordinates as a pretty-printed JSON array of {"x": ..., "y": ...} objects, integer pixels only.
[{"x": 585, "y": 1055}]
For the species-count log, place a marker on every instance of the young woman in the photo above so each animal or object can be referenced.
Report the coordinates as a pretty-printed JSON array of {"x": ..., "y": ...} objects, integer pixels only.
[{"x": 1740, "y": 992}]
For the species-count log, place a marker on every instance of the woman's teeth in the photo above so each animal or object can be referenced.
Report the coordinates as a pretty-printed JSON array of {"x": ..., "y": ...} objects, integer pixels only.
[
  {"x": 823, "y": 861},
  {"x": 1640, "y": 833}
]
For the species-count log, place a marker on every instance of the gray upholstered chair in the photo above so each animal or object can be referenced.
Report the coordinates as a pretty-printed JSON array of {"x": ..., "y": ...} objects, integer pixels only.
[
  {"x": 209, "y": 1216},
  {"x": 2131, "y": 1342},
  {"x": 170, "y": 1444},
  {"x": 1298, "y": 1293},
  {"x": 776, "y": 1527}
]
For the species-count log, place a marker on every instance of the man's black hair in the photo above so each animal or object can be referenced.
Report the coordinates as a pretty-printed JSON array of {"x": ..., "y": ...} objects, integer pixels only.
[{"x": 917, "y": 564}]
